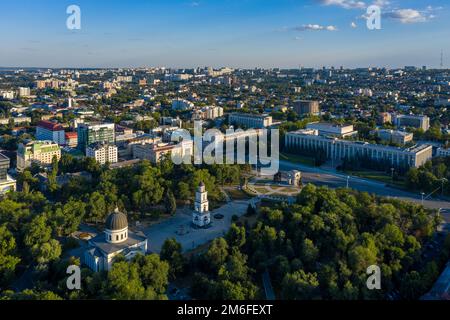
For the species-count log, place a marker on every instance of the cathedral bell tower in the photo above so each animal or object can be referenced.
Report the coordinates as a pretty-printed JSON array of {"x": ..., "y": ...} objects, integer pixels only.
[{"x": 201, "y": 216}]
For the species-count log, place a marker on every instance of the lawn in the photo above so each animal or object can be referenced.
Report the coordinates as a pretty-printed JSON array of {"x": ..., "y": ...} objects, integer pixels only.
[
  {"x": 296, "y": 158},
  {"x": 237, "y": 194},
  {"x": 378, "y": 176}
]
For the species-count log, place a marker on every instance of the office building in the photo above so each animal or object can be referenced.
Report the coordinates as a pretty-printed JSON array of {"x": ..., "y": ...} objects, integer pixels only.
[
  {"x": 306, "y": 107},
  {"x": 6, "y": 182},
  {"x": 89, "y": 133},
  {"x": 39, "y": 152},
  {"x": 46, "y": 130},
  {"x": 339, "y": 149},
  {"x": 257, "y": 121}
]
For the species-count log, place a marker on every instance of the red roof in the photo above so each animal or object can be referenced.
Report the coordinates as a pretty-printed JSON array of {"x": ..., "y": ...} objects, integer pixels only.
[
  {"x": 71, "y": 135},
  {"x": 50, "y": 125}
]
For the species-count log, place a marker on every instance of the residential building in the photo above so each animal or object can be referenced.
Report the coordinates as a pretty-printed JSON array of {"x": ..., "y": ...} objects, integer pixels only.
[
  {"x": 419, "y": 122},
  {"x": 102, "y": 152},
  {"x": 46, "y": 130},
  {"x": 339, "y": 149},
  {"x": 89, "y": 133},
  {"x": 24, "y": 92},
  {"x": 39, "y": 152},
  {"x": 306, "y": 107},
  {"x": 15, "y": 120},
  {"x": 257, "y": 121}
]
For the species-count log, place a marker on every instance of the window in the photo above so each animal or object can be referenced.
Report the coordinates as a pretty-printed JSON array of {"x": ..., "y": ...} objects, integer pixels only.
[{"x": 117, "y": 237}]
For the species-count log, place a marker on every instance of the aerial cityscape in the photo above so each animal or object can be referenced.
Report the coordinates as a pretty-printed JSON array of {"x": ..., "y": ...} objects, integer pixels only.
[{"x": 225, "y": 150}]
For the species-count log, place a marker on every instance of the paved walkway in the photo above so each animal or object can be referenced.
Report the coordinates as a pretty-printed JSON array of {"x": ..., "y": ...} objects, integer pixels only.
[{"x": 180, "y": 227}]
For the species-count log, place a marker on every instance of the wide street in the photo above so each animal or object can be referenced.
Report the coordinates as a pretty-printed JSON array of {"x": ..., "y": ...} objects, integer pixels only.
[{"x": 332, "y": 179}]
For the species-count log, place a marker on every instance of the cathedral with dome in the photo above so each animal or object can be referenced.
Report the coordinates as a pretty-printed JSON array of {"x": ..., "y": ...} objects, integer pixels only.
[{"x": 116, "y": 239}]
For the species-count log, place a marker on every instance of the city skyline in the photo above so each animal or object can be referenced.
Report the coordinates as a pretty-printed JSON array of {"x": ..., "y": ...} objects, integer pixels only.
[{"x": 239, "y": 34}]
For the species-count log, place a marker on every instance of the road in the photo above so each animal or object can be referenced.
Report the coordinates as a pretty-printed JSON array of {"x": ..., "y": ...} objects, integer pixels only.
[{"x": 332, "y": 179}]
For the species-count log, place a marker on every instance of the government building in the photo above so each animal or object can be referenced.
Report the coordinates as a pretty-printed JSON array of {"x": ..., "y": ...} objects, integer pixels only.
[
  {"x": 338, "y": 149},
  {"x": 116, "y": 239},
  {"x": 256, "y": 121}
]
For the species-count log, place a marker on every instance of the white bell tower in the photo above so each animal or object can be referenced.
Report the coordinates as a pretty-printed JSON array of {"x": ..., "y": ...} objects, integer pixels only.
[{"x": 201, "y": 216}]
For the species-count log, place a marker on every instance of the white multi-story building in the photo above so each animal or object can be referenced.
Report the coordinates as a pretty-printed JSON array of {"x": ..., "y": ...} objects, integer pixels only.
[
  {"x": 213, "y": 112},
  {"x": 339, "y": 149},
  {"x": 46, "y": 130},
  {"x": 9, "y": 95},
  {"x": 24, "y": 92},
  {"x": 257, "y": 121},
  {"x": 102, "y": 152}
]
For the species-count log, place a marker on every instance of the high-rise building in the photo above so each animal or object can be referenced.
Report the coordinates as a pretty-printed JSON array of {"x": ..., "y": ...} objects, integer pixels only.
[
  {"x": 6, "y": 182},
  {"x": 89, "y": 133},
  {"x": 46, "y": 130},
  {"x": 39, "y": 152},
  {"x": 306, "y": 107}
]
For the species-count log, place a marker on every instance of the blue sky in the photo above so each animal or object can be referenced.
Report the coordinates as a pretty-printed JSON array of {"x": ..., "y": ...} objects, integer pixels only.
[{"x": 236, "y": 33}]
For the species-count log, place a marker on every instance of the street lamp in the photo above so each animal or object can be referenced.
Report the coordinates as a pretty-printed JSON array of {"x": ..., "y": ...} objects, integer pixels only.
[
  {"x": 443, "y": 180},
  {"x": 423, "y": 193},
  {"x": 348, "y": 177}
]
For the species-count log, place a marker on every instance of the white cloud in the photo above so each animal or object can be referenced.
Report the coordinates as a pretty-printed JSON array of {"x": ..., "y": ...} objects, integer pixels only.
[
  {"x": 353, "y": 25},
  {"x": 346, "y": 4},
  {"x": 408, "y": 15},
  {"x": 315, "y": 27}
]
